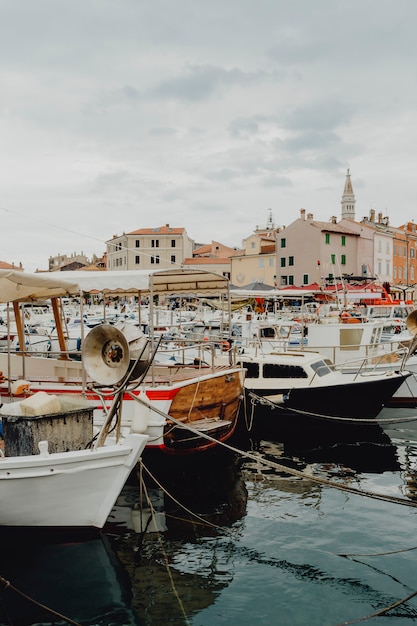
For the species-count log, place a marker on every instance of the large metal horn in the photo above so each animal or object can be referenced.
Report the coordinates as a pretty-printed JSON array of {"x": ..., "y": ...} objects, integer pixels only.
[
  {"x": 411, "y": 322},
  {"x": 105, "y": 355},
  {"x": 138, "y": 348}
]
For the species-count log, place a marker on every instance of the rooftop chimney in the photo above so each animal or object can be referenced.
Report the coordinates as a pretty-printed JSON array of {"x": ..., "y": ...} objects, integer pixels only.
[{"x": 303, "y": 214}]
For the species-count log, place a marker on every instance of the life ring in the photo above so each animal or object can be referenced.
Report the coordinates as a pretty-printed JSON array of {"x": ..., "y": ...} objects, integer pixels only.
[
  {"x": 225, "y": 346},
  {"x": 345, "y": 317}
]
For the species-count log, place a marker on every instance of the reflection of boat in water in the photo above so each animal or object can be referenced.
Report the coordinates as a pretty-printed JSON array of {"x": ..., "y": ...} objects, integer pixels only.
[
  {"x": 365, "y": 448},
  {"x": 204, "y": 500},
  {"x": 82, "y": 581},
  {"x": 184, "y": 493}
]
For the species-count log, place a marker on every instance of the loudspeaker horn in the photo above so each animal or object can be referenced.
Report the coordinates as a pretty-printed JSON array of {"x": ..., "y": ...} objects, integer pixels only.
[
  {"x": 105, "y": 355},
  {"x": 411, "y": 322},
  {"x": 138, "y": 348}
]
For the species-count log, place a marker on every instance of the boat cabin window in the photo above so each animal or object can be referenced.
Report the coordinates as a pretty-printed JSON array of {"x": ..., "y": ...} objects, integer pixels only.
[
  {"x": 321, "y": 368},
  {"x": 350, "y": 338},
  {"x": 401, "y": 312},
  {"x": 268, "y": 332},
  {"x": 252, "y": 369},
  {"x": 278, "y": 370}
]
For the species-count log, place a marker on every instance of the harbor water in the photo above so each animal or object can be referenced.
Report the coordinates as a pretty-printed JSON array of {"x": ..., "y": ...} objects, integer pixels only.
[{"x": 241, "y": 540}]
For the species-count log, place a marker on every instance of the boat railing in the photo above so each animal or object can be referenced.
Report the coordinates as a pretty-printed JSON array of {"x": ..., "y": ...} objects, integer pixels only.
[{"x": 373, "y": 364}]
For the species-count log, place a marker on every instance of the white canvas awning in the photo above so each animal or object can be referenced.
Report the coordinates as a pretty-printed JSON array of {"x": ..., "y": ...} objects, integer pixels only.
[
  {"x": 18, "y": 286},
  {"x": 183, "y": 281},
  {"x": 115, "y": 282},
  {"x": 22, "y": 286}
]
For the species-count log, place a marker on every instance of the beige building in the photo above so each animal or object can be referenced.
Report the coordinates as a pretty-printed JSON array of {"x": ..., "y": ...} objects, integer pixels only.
[
  {"x": 383, "y": 246},
  {"x": 256, "y": 263},
  {"x": 65, "y": 262},
  {"x": 149, "y": 248},
  {"x": 213, "y": 257},
  {"x": 311, "y": 251}
]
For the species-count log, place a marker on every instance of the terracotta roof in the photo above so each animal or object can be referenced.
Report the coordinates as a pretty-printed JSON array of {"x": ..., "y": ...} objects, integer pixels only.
[
  {"x": 160, "y": 230},
  {"x": 206, "y": 260},
  {"x": 203, "y": 249},
  {"x": 9, "y": 266},
  {"x": 333, "y": 228}
]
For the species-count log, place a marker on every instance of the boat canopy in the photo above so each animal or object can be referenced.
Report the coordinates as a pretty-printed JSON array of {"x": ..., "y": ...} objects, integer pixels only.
[{"x": 16, "y": 286}]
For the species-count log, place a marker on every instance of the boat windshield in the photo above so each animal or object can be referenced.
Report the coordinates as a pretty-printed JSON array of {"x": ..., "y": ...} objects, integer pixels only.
[{"x": 321, "y": 368}]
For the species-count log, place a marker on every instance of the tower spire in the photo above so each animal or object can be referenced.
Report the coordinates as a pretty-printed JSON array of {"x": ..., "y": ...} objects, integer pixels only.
[{"x": 348, "y": 199}]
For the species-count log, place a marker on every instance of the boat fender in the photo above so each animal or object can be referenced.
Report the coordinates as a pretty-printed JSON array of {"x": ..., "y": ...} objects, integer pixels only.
[
  {"x": 19, "y": 387},
  {"x": 139, "y": 422}
]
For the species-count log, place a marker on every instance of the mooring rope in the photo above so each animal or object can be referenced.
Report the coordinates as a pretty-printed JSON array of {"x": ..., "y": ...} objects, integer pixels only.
[
  {"x": 256, "y": 399},
  {"x": 383, "y": 611},
  {"x": 284, "y": 468},
  {"x": 203, "y": 521},
  {"x": 166, "y": 560},
  {"x": 7, "y": 585}
]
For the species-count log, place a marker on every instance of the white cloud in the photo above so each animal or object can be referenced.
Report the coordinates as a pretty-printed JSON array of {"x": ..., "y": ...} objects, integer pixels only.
[{"x": 120, "y": 115}]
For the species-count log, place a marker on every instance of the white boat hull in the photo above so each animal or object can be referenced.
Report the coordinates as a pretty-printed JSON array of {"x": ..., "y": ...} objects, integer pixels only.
[{"x": 68, "y": 489}]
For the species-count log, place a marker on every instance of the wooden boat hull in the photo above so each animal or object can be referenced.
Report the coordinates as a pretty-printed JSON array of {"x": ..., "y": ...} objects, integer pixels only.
[{"x": 203, "y": 413}]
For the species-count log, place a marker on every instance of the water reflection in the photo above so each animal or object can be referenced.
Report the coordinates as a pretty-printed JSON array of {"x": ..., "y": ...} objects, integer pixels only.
[
  {"x": 232, "y": 531},
  {"x": 82, "y": 581},
  {"x": 180, "y": 572}
]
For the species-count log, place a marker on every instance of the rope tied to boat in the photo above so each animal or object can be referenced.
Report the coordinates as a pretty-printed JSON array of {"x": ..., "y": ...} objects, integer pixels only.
[
  {"x": 7, "y": 585},
  {"x": 263, "y": 400},
  {"x": 284, "y": 468}
]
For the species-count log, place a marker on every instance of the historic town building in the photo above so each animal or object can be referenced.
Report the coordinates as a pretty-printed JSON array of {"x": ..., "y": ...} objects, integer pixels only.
[{"x": 162, "y": 247}]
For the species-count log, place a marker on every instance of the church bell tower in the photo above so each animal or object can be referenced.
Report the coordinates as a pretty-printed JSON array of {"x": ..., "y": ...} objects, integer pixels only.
[{"x": 348, "y": 200}]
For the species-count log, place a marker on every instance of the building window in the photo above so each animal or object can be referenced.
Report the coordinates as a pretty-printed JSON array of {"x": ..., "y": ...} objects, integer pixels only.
[
  {"x": 283, "y": 243},
  {"x": 404, "y": 251},
  {"x": 327, "y": 238},
  {"x": 290, "y": 280},
  {"x": 305, "y": 279},
  {"x": 343, "y": 259},
  {"x": 343, "y": 240},
  {"x": 271, "y": 262},
  {"x": 155, "y": 259},
  {"x": 412, "y": 253},
  {"x": 388, "y": 268},
  {"x": 290, "y": 260},
  {"x": 399, "y": 273},
  {"x": 137, "y": 259},
  {"x": 261, "y": 262},
  {"x": 283, "y": 261},
  {"x": 395, "y": 250},
  {"x": 284, "y": 281},
  {"x": 379, "y": 267},
  {"x": 252, "y": 244},
  {"x": 333, "y": 259},
  {"x": 173, "y": 243},
  {"x": 395, "y": 272},
  {"x": 154, "y": 243},
  {"x": 412, "y": 272},
  {"x": 172, "y": 258},
  {"x": 137, "y": 243}
]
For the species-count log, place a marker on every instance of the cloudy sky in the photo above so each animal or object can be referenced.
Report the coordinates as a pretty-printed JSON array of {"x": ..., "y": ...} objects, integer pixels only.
[{"x": 122, "y": 114}]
